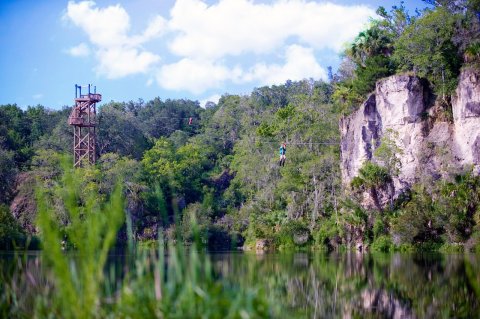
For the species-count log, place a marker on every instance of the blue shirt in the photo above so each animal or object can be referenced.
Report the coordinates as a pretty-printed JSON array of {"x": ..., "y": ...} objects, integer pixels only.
[{"x": 283, "y": 150}]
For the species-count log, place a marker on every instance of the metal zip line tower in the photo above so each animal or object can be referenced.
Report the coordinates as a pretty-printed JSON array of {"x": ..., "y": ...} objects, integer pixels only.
[{"x": 83, "y": 118}]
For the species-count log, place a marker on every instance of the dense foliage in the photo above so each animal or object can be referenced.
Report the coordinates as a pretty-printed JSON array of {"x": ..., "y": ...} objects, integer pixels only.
[
  {"x": 433, "y": 44},
  {"x": 220, "y": 166}
]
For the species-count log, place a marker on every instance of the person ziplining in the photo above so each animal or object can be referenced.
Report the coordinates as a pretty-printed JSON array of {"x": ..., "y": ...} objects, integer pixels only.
[{"x": 283, "y": 151}]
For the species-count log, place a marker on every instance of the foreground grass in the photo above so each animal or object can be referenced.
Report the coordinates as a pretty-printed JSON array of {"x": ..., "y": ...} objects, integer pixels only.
[{"x": 151, "y": 286}]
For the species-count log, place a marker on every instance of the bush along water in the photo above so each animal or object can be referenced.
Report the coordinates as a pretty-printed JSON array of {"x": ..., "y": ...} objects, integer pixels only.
[{"x": 443, "y": 215}]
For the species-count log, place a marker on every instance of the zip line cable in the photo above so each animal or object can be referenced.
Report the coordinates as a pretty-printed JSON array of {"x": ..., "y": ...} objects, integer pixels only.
[
  {"x": 301, "y": 143},
  {"x": 260, "y": 140}
]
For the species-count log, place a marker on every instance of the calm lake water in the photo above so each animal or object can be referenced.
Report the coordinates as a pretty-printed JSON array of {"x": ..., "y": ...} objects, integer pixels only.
[{"x": 340, "y": 285}]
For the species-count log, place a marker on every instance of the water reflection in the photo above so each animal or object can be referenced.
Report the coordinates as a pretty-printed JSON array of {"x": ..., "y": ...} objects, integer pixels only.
[
  {"x": 22, "y": 278},
  {"x": 354, "y": 285},
  {"x": 341, "y": 285}
]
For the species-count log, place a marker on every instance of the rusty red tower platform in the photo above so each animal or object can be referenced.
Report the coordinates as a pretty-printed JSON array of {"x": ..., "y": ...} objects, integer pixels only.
[{"x": 83, "y": 118}]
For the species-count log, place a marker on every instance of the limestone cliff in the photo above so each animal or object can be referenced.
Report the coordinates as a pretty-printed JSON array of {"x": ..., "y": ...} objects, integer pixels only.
[{"x": 433, "y": 143}]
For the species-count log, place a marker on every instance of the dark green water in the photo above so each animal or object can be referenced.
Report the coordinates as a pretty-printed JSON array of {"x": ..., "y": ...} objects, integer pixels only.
[{"x": 346, "y": 285}]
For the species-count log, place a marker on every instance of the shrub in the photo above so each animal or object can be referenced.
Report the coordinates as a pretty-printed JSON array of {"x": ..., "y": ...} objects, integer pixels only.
[
  {"x": 473, "y": 243},
  {"x": 293, "y": 233},
  {"x": 472, "y": 53},
  {"x": 326, "y": 234},
  {"x": 373, "y": 175},
  {"x": 409, "y": 226},
  {"x": 379, "y": 227},
  {"x": 263, "y": 225},
  {"x": 456, "y": 204},
  {"x": 382, "y": 243},
  {"x": 356, "y": 182},
  {"x": 198, "y": 215}
]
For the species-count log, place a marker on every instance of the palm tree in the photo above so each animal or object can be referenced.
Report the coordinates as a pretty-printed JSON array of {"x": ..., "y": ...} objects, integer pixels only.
[{"x": 371, "y": 42}]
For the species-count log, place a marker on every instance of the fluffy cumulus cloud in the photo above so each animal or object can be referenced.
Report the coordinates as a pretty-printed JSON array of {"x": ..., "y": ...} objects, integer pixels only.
[
  {"x": 240, "y": 26},
  {"x": 118, "y": 53},
  {"x": 209, "y": 46}
]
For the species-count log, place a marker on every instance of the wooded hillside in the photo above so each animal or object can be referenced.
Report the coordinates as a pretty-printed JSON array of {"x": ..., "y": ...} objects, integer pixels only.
[{"x": 219, "y": 164}]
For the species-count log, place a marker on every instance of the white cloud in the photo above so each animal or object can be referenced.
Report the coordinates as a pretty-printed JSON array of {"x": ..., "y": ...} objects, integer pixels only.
[
  {"x": 37, "y": 96},
  {"x": 233, "y": 27},
  {"x": 300, "y": 63},
  {"x": 195, "y": 76},
  {"x": 156, "y": 28},
  {"x": 81, "y": 50},
  {"x": 214, "y": 45},
  {"x": 122, "y": 61},
  {"x": 107, "y": 28},
  {"x": 104, "y": 27},
  {"x": 205, "y": 35},
  {"x": 213, "y": 98}
]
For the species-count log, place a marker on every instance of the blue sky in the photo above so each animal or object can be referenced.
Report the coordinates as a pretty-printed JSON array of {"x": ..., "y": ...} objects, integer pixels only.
[{"x": 195, "y": 49}]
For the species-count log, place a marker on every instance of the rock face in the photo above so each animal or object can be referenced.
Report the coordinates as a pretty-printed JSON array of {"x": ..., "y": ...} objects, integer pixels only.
[
  {"x": 466, "y": 115},
  {"x": 432, "y": 144},
  {"x": 23, "y": 206}
]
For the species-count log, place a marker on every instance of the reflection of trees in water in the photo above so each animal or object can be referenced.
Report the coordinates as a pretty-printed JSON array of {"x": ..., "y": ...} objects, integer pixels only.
[
  {"x": 343, "y": 285},
  {"x": 22, "y": 279},
  {"x": 353, "y": 285},
  {"x": 437, "y": 286}
]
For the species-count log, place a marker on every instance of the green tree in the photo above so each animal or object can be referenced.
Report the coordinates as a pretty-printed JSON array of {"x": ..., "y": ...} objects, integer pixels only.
[
  {"x": 8, "y": 172},
  {"x": 180, "y": 172},
  {"x": 159, "y": 160},
  {"x": 389, "y": 152},
  {"x": 427, "y": 49},
  {"x": 59, "y": 135},
  {"x": 119, "y": 132},
  {"x": 367, "y": 75},
  {"x": 11, "y": 235},
  {"x": 161, "y": 118},
  {"x": 374, "y": 41},
  {"x": 14, "y": 133},
  {"x": 371, "y": 56}
]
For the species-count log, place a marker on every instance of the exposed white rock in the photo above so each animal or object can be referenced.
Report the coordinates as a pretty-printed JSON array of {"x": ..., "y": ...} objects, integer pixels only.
[
  {"x": 431, "y": 145},
  {"x": 466, "y": 114},
  {"x": 359, "y": 137}
]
